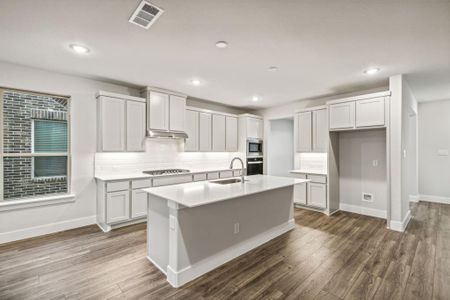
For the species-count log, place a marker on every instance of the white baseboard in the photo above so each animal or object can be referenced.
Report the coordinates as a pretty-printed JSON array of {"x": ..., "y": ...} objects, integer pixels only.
[
  {"x": 437, "y": 199},
  {"x": 414, "y": 198},
  {"x": 401, "y": 226},
  {"x": 378, "y": 213},
  {"x": 178, "y": 278},
  {"x": 6, "y": 237}
]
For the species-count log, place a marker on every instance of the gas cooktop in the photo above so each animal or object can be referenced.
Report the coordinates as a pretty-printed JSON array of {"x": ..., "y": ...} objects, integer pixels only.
[{"x": 166, "y": 172}]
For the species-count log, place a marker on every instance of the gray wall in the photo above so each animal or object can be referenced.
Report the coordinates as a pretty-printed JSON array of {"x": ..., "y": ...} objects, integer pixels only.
[
  {"x": 281, "y": 148},
  {"x": 434, "y": 134},
  {"x": 357, "y": 175}
]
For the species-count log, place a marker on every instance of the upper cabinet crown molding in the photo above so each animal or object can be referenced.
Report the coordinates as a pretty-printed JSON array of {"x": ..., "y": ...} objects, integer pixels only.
[
  {"x": 119, "y": 96},
  {"x": 360, "y": 97},
  {"x": 147, "y": 89}
]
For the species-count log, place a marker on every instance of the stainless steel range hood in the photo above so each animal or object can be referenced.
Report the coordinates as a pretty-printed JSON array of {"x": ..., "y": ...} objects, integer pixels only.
[{"x": 154, "y": 133}]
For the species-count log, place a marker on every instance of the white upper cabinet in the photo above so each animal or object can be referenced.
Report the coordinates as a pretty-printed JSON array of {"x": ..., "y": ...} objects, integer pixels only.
[
  {"x": 135, "y": 125},
  {"x": 205, "y": 123},
  {"x": 320, "y": 130},
  {"x": 255, "y": 128},
  {"x": 120, "y": 123},
  {"x": 231, "y": 131},
  {"x": 111, "y": 124},
  {"x": 218, "y": 133},
  {"x": 177, "y": 108},
  {"x": 342, "y": 115},
  {"x": 370, "y": 112},
  {"x": 192, "y": 130},
  {"x": 158, "y": 107},
  {"x": 304, "y": 131}
]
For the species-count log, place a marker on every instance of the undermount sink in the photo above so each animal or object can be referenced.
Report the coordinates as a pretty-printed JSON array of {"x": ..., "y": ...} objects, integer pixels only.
[{"x": 227, "y": 181}]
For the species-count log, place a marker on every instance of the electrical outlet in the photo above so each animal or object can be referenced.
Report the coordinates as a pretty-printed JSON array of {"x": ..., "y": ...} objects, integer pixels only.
[
  {"x": 375, "y": 162},
  {"x": 367, "y": 197},
  {"x": 236, "y": 228}
]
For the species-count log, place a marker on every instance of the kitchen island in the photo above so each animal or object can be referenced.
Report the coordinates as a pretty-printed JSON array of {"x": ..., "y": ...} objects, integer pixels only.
[{"x": 193, "y": 228}]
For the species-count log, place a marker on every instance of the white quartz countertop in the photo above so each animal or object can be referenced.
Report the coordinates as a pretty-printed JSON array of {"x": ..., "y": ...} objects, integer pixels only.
[
  {"x": 207, "y": 192},
  {"x": 139, "y": 175},
  {"x": 308, "y": 171}
]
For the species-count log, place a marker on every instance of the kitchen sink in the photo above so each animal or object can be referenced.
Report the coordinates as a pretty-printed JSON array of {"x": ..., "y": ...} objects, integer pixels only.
[{"x": 227, "y": 181}]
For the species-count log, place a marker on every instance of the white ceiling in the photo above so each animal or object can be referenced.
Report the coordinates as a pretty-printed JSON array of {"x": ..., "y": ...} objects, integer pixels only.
[{"x": 320, "y": 47}]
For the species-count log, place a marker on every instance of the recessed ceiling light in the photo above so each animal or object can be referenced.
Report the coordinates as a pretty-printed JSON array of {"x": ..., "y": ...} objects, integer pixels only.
[
  {"x": 195, "y": 82},
  {"x": 372, "y": 71},
  {"x": 255, "y": 98},
  {"x": 272, "y": 68},
  {"x": 79, "y": 49},
  {"x": 221, "y": 44}
]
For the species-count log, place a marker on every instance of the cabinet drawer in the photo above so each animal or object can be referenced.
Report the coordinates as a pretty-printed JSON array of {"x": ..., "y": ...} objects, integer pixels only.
[
  {"x": 141, "y": 184},
  {"x": 213, "y": 175},
  {"x": 237, "y": 172},
  {"x": 117, "y": 186},
  {"x": 301, "y": 176},
  {"x": 317, "y": 178},
  {"x": 159, "y": 181},
  {"x": 225, "y": 174},
  {"x": 199, "y": 177}
]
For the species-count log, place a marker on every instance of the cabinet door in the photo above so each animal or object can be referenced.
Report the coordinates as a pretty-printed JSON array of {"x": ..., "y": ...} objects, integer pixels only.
[
  {"x": 138, "y": 204},
  {"x": 177, "y": 113},
  {"x": 135, "y": 126},
  {"x": 342, "y": 115},
  {"x": 255, "y": 128},
  {"x": 300, "y": 193},
  {"x": 231, "y": 131},
  {"x": 204, "y": 137},
  {"x": 112, "y": 124},
  {"x": 158, "y": 107},
  {"x": 192, "y": 130},
  {"x": 320, "y": 130},
  {"x": 218, "y": 130},
  {"x": 370, "y": 112},
  {"x": 304, "y": 130},
  {"x": 117, "y": 206},
  {"x": 317, "y": 194}
]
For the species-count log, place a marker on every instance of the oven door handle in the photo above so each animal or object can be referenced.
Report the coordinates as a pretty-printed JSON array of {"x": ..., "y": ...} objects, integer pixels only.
[{"x": 254, "y": 162}]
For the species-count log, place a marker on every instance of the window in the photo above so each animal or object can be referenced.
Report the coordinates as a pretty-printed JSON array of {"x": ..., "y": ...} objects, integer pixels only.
[{"x": 35, "y": 144}]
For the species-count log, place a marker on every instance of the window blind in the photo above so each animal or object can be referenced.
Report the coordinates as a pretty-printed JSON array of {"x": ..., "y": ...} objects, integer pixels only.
[
  {"x": 50, "y": 166},
  {"x": 50, "y": 136}
]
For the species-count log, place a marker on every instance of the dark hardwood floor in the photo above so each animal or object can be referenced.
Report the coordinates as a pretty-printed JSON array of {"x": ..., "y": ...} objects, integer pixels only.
[{"x": 345, "y": 256}]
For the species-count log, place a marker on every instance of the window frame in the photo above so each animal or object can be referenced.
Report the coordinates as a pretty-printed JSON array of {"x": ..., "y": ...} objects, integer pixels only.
[{"x": 67, "y": 154}]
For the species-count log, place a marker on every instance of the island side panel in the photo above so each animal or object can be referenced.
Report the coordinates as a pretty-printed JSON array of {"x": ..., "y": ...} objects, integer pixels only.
[
  {"x": 158, "y": 232},
  {"x": 210, "y": 235}
]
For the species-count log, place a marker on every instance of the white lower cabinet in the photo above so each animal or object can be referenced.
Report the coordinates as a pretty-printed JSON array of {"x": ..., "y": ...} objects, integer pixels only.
[
  {"x": 117, "y": 206},
  {"x": 138, "y": 203},
  {"x": 313, "y": 193},
  {"x": 317, "y": 194},
  {"x": 300, "y": 193}
]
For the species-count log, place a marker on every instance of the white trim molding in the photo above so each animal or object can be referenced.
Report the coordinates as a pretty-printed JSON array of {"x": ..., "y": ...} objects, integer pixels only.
[
  {"x": 414, "y": 198},
  {"x": 11, "y": 236},
  {"x": 35, "y": 202},
  {"x": 372, "y": 212},
  {"x": 436, "y": 199},
  {"x": 400, "y": 226},
  {"x": 178, "y": 278}
]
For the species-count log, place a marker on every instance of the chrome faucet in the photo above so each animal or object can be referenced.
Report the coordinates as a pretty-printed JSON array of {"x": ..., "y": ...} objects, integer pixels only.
[{"x": 242, "y": 169}]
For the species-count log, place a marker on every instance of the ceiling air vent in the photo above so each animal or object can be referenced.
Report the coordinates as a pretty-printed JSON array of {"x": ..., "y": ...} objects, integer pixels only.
[{"x": 145, "y": 15}]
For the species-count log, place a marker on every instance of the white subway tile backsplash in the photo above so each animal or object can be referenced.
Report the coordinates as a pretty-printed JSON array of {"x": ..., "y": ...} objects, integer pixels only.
[
  {"x": 162, "y": 154},
  {"x": 311, "y": 161}
]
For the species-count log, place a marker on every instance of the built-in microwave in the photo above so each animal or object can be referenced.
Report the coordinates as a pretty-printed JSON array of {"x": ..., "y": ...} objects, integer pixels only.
[{"x": 254, "y": 147}]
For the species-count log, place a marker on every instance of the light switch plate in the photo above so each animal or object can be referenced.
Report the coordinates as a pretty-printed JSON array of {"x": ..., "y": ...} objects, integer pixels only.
[{"x": 443, "y": 152}]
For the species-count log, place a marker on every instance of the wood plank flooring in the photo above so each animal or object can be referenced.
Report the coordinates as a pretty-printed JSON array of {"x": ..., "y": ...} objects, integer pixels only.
[{"x": 345, "y": 256}]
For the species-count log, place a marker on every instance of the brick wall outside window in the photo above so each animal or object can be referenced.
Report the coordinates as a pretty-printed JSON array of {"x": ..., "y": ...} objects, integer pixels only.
[{"x": 19, "y": 109}]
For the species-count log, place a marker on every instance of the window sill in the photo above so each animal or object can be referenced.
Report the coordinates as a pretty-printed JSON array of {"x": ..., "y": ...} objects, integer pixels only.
[{"x": 36, "y": 202}]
